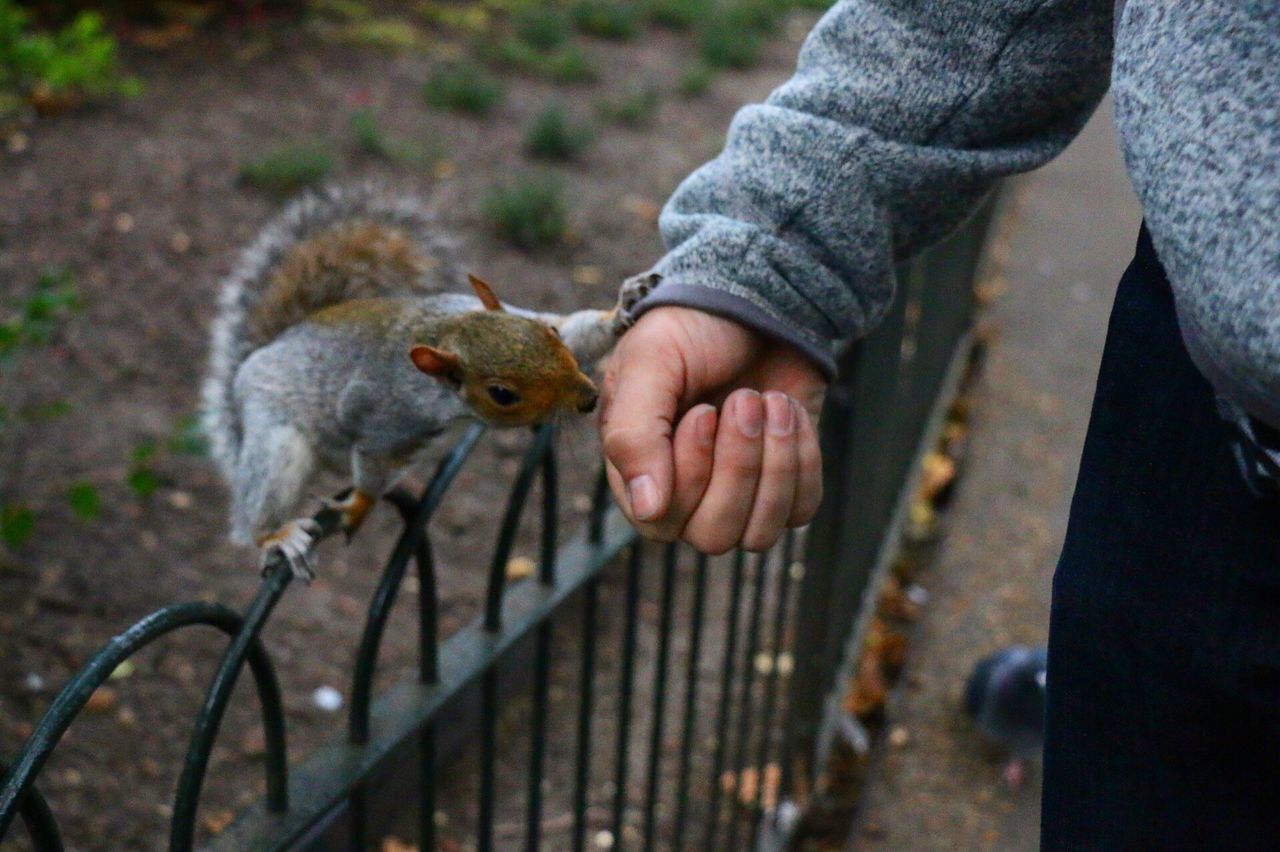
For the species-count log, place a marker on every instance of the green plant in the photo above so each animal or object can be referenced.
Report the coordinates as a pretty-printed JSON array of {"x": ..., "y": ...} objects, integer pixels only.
[
  {"x": 724, "y": 46},
  {"x": 188, "y": 437},
  {"x": 373, "y": 140},
  {"x": 41, "y": 314},
  {"x": 289, "y": 168},
  {"x": 565, "y": 65},
  {"x": 142, "y": 478},
  {"x": 633, "y": 108},
  {"x": 462, "y": 87},
  {"x": 57, "y": 70},
  {"x": 615, "y": 19},
  {"x": 677, "y": 14},
  {"x": 554, "y": 135},
  {"x": 84, "y": 500},
  {"x": 541, "y": 27},
  {"x": 695, "y": 80},
  {"x": 529, "y": 213},
  {"x": 33, "y": 324}
]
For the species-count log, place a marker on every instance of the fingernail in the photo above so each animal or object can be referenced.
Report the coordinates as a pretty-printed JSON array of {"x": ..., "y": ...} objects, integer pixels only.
[
  {"x": 779, "y": 415},
  {"x": 748, "y": 412},
  {"x": 705, "y": 426},
  {"x": 643, "y": 494}
]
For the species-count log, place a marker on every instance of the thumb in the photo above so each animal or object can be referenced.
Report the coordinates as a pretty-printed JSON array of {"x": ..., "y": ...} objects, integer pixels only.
[{"x": 641, "y": 396}]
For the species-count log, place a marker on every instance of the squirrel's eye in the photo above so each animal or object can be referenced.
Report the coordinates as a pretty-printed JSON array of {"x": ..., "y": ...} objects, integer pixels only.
[{"x": 503, "y": 396}]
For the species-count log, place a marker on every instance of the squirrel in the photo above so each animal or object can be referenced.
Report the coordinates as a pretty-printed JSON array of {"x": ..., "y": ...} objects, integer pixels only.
[{"x": 336, "y": 346}]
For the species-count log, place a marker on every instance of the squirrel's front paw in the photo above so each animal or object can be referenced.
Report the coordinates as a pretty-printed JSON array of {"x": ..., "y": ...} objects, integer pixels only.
[
  {"x": 632, "y": 291},
  {"x": 292, "y": 544}
]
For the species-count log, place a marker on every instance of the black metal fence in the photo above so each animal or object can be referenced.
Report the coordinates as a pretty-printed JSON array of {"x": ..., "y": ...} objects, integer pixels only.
[{"x": 627, "y": 695}]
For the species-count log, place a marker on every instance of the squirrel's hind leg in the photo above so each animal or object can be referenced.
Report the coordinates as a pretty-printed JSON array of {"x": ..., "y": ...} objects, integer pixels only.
[{"x": 276, "y": 461}]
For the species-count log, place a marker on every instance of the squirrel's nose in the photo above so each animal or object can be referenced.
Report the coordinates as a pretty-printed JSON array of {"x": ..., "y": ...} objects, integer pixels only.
[{"x": 588, "y": 403}]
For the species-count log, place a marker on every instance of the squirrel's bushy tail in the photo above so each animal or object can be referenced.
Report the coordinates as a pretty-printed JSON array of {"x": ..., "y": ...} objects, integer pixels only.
[{"x": 326, "y": 247}]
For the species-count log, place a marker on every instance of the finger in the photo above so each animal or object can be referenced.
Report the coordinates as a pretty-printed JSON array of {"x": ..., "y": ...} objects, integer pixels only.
[
  {"x": 809, "y": 477},
  {"x": 777, "y": 487},
  {"x": 718, "y": 522},
  {"x": 692, "y": 445},
  {"x": 636, "y": 426}
]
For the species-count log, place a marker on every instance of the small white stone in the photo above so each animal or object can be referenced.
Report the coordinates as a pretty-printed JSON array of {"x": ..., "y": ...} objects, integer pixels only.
[
  {"x": 33, "y": 682},
  {"x": 327, "y": 699},
  {"x": 797, "y": 571},
  {"x": 604, "y": 839},
  {"x": 786, "y": 663},
  {"x": 918, "y": 595}
]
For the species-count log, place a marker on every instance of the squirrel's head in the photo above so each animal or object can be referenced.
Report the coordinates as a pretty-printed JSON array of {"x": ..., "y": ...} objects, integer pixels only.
[{"x": 510, "y": 370}]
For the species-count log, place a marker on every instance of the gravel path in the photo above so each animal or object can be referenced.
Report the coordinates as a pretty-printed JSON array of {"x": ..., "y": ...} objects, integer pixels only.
[{"x": 1057, "y": 253}]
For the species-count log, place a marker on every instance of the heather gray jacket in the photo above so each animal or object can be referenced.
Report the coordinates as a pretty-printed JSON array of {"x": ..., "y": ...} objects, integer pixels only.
[{"x": 903, "y": 113}]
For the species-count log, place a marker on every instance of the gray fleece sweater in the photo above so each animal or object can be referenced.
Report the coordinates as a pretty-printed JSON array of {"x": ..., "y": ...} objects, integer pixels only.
[{"x": 903, "y": 113}]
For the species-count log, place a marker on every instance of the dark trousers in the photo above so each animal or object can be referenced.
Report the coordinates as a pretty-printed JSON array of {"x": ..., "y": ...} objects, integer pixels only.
[{"x": 1163, "y": 728}]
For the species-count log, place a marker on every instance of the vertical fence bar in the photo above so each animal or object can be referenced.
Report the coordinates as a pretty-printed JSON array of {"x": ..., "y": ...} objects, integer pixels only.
[
  {"x": 659, "y": 695},
  {"x": 542, "y": 654},
  {"x": 628, "y": 677},
  {"x": 488, "y": 756},
  {"x": 745, "y": 699},
  {"x": 771, "y": 679},
  {"x": 586, "y": 684},
  {"x": 690, "y": 702},
  {"x": 726, "y": 694},
  {"x": 427, "y": 792}
]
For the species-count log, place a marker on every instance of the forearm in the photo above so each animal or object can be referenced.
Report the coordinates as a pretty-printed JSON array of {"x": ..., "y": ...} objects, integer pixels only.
[{"x": 900, "y": 117}]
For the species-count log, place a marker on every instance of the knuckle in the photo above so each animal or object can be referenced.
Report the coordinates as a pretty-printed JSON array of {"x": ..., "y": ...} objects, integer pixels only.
[{"x": 710, "y": 542}]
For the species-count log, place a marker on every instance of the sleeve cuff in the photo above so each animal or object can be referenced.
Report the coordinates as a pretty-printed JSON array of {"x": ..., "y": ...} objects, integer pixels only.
[{"x": 729, "y": 306}]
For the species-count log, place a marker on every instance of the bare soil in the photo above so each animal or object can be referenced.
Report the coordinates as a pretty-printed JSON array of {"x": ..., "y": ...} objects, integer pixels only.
[{"x": 140, "y": 200}]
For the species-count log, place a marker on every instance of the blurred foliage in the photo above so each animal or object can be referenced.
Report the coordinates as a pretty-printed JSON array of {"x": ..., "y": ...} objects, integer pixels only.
[
  {"x": 462, "y": 87},
  {"x": 677, "y": 14},
  {"x": 372, "y": 139},
  {"x": 635, "y": 107},
  {"x": 288, "y": 169},
  {"x": 615, "y": 19},
  {"x": 695, "y": 80},
  {"x": 542, "y": 27},
  {"x": 529, "y": 213},
  {"x": 59, "y": 69},
  {"x": 142, "y": 478},
  {"x": 568, "y": 64},
  {"x": 34, "y": 325},
  {"x": 554, "y": 135}
]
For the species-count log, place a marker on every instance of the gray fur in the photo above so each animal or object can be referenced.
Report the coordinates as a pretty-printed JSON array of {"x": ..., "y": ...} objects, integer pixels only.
[
  {"x": 241, "y": 290},
  {"x": 343, "y": 397}
]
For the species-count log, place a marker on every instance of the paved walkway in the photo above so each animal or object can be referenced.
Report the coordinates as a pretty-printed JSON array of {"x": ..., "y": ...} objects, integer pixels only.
[{"x": 1058, "y": 253}]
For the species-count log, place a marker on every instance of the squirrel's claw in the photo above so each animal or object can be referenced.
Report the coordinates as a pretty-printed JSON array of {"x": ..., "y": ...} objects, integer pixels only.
[
  {"x": 632, "y": 291},
  {"x": 353, "y": 508},
  {"x": 292, "y": 545}
]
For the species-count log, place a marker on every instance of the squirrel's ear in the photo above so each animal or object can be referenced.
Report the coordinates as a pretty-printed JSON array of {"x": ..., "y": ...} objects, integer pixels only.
[
  {"x": 485, "y": 292},
  {"x": 434, "y": 362}
]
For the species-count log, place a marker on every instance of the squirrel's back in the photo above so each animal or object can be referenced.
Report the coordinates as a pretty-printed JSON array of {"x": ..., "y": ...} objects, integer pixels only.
[{"x": 326, "y": 247}]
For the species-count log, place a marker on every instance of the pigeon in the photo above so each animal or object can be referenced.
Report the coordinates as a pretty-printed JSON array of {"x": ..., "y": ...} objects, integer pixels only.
[{"x": 1005, "y": 696}]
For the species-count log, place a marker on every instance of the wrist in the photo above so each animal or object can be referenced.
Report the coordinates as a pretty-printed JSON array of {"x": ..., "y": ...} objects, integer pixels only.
[{"x": 746, "y": 313}]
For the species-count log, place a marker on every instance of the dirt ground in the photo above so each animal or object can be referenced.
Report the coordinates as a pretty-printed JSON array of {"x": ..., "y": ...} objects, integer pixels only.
[{"x": 140, "y": 200}]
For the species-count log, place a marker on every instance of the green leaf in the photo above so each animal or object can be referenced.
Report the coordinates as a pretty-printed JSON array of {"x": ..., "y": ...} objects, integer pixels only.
[
  {"x": 17, "y": 523},
  {"x": 143, "y": 453},
  {"x": 188, "y": 437},
  {"x": 143, "y": 482},
  {"x": 85, "y": 501}
]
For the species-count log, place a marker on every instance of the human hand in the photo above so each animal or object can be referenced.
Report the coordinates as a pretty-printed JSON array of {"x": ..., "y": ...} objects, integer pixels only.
[{"x": 709, "y": 431}]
